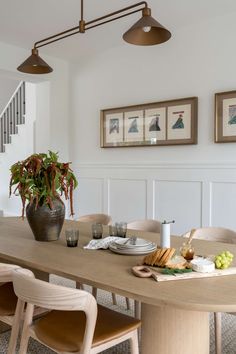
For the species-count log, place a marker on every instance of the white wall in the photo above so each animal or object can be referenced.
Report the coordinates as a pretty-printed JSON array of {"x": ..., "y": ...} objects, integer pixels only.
[
  {"x": 50, "y": 101},
  {"x": 7, "y": 88},
  {"x": 55, "y": 116},
  {"x": 22, "y": 145},
  {"x": 189, "y": 183}
]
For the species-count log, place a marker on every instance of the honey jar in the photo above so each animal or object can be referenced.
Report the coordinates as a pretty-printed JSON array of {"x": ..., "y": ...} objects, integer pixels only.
[{"x": 187, "y": 251}]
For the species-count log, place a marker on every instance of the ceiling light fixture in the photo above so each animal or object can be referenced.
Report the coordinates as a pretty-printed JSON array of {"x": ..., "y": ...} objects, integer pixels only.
[{"x": 146, "y": 31}]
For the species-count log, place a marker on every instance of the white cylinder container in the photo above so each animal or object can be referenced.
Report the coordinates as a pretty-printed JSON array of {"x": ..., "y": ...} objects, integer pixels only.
[{"x": 165, "y": 235}]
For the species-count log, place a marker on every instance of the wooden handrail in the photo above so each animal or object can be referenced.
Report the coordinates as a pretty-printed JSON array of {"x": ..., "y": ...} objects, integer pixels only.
[{"x": 12, "y": 115}]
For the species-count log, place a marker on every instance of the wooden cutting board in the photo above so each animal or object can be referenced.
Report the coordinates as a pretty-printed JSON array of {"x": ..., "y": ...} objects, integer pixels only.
[{"x": 192, "y": 275}]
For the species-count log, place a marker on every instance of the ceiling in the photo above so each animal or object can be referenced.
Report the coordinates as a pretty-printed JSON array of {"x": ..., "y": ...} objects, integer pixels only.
[{"x": 26, "y": 21}]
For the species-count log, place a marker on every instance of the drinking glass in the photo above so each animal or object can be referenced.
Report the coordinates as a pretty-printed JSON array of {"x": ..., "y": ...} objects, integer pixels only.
[
  {"x": 121, "y": 229},
  {"x": 72, "y": 236},
  {"x": 112, "y": 230},
  {"x": 97, "y": 230}
]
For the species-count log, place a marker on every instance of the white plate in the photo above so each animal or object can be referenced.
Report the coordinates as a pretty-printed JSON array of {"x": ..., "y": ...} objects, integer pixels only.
[
  {"x": 139, "y": 243},
  {"x": 132, "y": 252}
]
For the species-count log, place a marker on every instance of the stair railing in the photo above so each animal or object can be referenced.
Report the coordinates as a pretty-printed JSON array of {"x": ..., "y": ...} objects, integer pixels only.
[{"x": 12, "y": 116}]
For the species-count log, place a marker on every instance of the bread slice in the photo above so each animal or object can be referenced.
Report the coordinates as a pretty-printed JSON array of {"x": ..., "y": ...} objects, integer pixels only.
[
  {"x": 150, "y": 258},
  {"x": 159, "y": 257},
  {"x": 167, "y": 256},
  {"x": 158, "y": 260}
]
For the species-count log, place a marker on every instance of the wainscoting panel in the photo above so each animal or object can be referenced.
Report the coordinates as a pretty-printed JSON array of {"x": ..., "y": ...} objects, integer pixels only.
[
  {"x": 89, "y": 196},
  {"x": 194, "y": 195},
  {"x": 127, "y": 199},
  {"x": 180, "y": 201},
  {"x": 223, "y": 200}
]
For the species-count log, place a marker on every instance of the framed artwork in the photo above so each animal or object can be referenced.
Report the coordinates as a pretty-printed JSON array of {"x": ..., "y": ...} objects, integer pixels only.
[
  {"x": 161, "y": 123},
  {"x": 225, "y": 117}
]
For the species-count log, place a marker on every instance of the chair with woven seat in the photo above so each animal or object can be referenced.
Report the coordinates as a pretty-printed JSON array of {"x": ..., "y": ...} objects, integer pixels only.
[
  {"x": 217, "y": 234},
  {"x": 76, "y": 323}
]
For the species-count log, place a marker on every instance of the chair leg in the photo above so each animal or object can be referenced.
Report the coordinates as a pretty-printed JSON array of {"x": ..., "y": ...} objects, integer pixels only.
[
  {"x": 79, "y": 286},
  {"x": 24, "y": 344},
  {"x": 94, "y": 292},
  {"x": 127, "y": 303},
  {"x": 137, "y": 309},
  {"x": 114, "y": 299},
  {"x": 25, "y": 332},
  {"x": 218, "y": 338},
  {"x": 134, "y": 343},
  {"x": 16, "y": 327}
]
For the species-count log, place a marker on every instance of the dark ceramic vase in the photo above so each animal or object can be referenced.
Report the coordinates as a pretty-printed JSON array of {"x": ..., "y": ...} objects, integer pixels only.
[{"x": 46, "y": 223}]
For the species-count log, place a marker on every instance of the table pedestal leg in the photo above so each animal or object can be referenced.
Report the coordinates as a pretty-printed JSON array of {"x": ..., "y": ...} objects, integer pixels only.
[{"x": 166, "y": 330}]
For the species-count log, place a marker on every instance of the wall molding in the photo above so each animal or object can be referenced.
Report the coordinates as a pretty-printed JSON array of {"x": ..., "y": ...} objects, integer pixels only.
[
  {"x": 180, "y": 191},
  {"x": 160, "y": 165}
]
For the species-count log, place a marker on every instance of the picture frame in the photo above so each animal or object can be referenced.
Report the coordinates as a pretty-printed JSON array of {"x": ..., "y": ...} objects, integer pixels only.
[
  {"x": 225, "y": 117},
  {"x": 172, "y": 122}
]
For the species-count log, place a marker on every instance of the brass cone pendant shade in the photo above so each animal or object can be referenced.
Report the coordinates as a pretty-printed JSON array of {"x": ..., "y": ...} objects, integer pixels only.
[
  {"x": 35, "y": 65},
  {"x": 147, "y": 31}
]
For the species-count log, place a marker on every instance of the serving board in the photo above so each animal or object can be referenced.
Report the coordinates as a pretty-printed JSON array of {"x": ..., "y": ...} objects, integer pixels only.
[{"x": 156, "y": 274}]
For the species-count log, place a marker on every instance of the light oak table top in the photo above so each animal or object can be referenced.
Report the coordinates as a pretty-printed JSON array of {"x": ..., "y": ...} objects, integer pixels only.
[
  {"x": 110, "y": 271},
  {"x": 174, "y": 313}
]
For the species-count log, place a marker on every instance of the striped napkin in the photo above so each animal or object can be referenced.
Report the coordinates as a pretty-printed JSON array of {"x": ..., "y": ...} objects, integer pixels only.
[{"x": 102, "y": 243}]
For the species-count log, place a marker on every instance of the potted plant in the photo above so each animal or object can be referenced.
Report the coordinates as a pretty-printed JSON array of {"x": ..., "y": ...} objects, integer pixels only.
[{"x": 41, "y": 180}]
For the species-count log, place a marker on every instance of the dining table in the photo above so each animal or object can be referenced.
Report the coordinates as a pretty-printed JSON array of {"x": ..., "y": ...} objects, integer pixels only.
[{"x": 174, "y": 314}]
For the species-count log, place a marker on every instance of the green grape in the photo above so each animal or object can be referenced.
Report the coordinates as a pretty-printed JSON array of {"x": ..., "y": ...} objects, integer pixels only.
[
  {"x": 227, "y": 253},
  {"x": 223, "y": 260}
]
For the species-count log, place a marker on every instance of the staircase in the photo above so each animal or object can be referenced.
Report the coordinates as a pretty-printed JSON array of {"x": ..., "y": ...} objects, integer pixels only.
[{"x": 12, "y": 116}]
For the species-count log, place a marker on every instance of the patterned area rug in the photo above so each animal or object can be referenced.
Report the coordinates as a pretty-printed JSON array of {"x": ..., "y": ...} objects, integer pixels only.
[{"x": 104, "y": 298}]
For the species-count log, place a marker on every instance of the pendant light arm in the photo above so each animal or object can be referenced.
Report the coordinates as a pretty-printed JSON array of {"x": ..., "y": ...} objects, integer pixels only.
[
  {"x": 83, "y": 25},
  {"x": 56, "y": 37},
  {"x": 118, "y": 12},
  {"x": 110, "y": 20}
]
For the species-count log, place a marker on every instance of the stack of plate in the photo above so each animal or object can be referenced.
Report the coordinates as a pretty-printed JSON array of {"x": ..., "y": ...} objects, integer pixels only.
[{"x": 132, "y": 246}]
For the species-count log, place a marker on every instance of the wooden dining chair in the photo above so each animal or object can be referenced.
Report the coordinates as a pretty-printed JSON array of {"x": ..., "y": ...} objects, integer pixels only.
[
  {"x": 147, "y": 225},
  {"x": 103, "y": 219},
  {"x": 8, "y": 300},
  {"x": 76, "y": 323},
  {"x": 8, "y": 304},
  {"x": 217, "y": 234}
]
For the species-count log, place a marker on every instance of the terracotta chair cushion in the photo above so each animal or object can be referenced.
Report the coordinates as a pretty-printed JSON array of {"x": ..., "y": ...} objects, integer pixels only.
[
  {"x": 8, "y": 300},
  {"x": 64, "y": 330}
]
